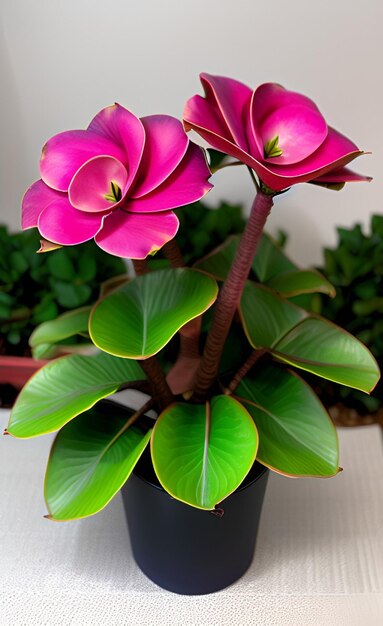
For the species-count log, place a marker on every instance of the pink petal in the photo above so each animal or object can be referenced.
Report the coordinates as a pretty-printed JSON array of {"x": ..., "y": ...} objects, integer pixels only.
[
  {"x": 134, "y": 236},
  {"x": 35, "y": 200},
  {"x": 125, "y": 130},
  {"x": 301, "y": 130},
  {"x": 198, "y": 113},
  {"x": 188, "y": 183},
  {"x": 341, "y": 175},
  {"x": 64, "y": 154},
  {"x": 281, "y": 177},
  {"x": 201, "y": 124},
  {"x": 165, "y": 145},
  {"x": 335, "y": 152},
  {"x": 92, "y": 182},
  {"x": 266, "y": 99},
  {"x": 61, "y": 223},
  {"x": 233, "y": 100}
]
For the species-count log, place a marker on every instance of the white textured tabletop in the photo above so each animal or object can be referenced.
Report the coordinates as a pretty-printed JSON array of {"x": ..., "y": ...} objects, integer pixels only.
[{"x": 319, "y": 557}]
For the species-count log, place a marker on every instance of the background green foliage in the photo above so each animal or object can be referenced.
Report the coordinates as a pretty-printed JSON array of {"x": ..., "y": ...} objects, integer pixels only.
[
  {"x": 355, "y": 268},
  {"x": 35, "y": 288}
]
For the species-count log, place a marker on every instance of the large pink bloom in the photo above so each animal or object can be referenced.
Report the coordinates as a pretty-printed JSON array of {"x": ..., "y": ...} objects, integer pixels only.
[
  {"x": 278, "y": 133},
  {"x": 118, "y": 182}
]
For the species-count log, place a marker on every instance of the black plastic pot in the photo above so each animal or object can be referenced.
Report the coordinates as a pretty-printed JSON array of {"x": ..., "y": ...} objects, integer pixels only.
[{"x": 187, "y": 550}]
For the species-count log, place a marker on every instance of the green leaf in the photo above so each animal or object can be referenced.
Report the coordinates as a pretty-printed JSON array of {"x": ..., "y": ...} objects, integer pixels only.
[
  {"x": 61, "y": 266},
  {"x": 296, "y": 435},
  {"x": 141, "y": 317},
  {"x": 318, "y": 346},
  {"x": 46, "y": 309},
  {"x": 65, "y": 388},
  {"x": 44, "y": 351},
  {"x": 91, "y": 459},
  {"x": 219, "y": 261},
  {"x": 53, "y": 350},
  {"x": 305, "y": 341},
  {"x": 87, "y": 266},
  {"x": 18, "y": 261},
  {"x": 294, "y": 282},
  {"x": 64, "y": 326},
  {"x": 70, "y": 295},
  {"x": 268, "y": 263},
  {"x": 216, "y": 158},
  {"x": 267, "y": 317},
  {"x": 202, "y": 453},
  {"x": 270, "y": 260}
]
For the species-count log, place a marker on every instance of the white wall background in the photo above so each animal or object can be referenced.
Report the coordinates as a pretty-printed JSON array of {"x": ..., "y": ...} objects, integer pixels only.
[{"x": 63, "y": 60}]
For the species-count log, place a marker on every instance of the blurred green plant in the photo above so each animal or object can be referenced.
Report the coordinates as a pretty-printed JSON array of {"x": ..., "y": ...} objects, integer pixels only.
[
  {"x": 35, "y": 288},
  {"x": 355, "y": 268}
]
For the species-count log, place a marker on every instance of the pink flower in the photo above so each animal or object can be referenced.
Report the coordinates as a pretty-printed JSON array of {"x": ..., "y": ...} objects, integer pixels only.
[
  {"x": 118, "y": 182},
  {"x": 278, "y": 133}
]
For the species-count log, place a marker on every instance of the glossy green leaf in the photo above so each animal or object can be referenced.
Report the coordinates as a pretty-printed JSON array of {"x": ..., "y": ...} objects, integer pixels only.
[
  {"x": 270, "y": 264},
  {"x": 270, "y": 260},
  {"x": 320, "y": 347},
  {"x": 296, "y": 435},
  {"x": 48, "y": 351},
  {"x": 202, "y": 453},
  {"x": 267, "y": 317},
  {"x": 295, "y": 282},
  {"x": 91, "y": 458},
  {"x": 218, "y": 262},
  {"x": 215, "y": 158},
  {"x": 64, "y": 326},
  {"x": 141, "y": 317},
  {"x": 306, "y": 341},
  {"x": 65, "y": 388}
]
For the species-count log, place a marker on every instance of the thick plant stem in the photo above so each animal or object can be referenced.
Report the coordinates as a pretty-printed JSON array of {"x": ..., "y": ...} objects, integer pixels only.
[
  {"x": 230, "y": 295},
  {"x": 244, "y": 369},
  {"x": 161, "y": 390}
]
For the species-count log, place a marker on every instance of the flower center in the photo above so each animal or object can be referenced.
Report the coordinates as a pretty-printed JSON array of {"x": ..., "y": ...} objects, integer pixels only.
[
  {"x": 115, "y": 193},
  {"x": 271, "y": 148}
]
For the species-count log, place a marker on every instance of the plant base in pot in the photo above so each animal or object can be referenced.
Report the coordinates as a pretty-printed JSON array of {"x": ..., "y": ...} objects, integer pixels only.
[{"x": 188, "y": 550}]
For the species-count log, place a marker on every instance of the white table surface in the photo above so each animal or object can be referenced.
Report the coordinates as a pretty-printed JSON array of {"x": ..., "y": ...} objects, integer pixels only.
[{"x": 319, "y": 557}]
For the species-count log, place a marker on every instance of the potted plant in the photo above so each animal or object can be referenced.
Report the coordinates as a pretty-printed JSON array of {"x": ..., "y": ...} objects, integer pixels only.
[
  {"x": 355, "y": 268},
  {"x": 35, "y": 289},
  {"x": 216, "y": 345}
]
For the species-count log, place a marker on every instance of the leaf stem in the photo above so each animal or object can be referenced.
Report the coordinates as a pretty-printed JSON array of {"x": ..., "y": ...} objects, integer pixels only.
[
  {"x": 140, "y": 266},
  {"x": 244, "y": 369},
  {"x": 160, "y": 388},
  {"x": 173, "y": 253},
  {"x": 230, "y": 295},
  {"x": 190, "y": 332}
]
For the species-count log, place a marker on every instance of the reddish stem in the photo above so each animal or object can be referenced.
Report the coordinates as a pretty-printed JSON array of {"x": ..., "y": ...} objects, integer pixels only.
[
  {"x": 161, "y": 390},
  {"x": 173, "y": 254},
  {"x": 244, "y": 369},
  {"x": 140, "y": 266},
  {"x": 190, "y": 333},
  {"x": 230, "y": 295}
]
